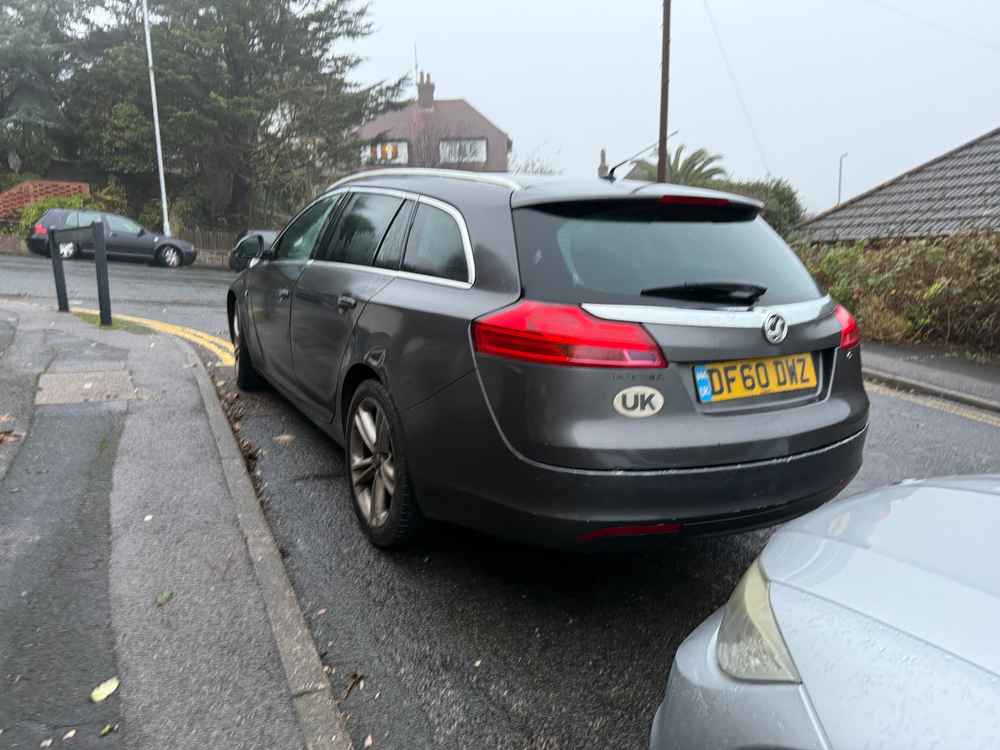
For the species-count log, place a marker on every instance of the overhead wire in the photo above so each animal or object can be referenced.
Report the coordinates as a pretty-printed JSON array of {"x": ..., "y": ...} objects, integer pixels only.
[
  {"x": 931, "y": 23},
  {"x": 736, "y": 88}
]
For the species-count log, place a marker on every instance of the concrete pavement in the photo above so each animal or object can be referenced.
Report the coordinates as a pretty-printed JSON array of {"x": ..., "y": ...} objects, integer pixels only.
[
  {"x": 122, "y": 554},
  {"x": 951, "y": 375}
]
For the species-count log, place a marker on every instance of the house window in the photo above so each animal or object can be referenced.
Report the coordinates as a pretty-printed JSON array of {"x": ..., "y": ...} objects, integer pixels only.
[
  {"x": 390, "y": 152},
  {"x": 462, "y": 150}
]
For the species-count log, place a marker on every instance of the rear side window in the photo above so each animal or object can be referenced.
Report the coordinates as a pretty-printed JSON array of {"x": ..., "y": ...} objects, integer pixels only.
[
  {"x": 435, "y": 246},
  {"x": 611, "y": 251},
  {"x": 86, "y": 218},
  {"x": 360, "y": 228}
]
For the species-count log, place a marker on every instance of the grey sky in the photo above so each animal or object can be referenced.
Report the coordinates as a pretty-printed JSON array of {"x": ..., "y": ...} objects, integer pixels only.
[{"x": 567, "y": 77}]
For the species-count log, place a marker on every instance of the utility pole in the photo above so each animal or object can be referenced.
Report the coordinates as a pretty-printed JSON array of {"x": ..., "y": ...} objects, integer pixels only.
[
  {"x": 840, "y": 176},
  {"x": 662, "y": 160},
  {"x": 156, "y": 121}
]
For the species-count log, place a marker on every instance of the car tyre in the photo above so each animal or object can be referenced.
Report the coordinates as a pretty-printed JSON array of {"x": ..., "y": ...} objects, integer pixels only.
[
  {"x": 170, "y": 256},
  {"x": 247, "y": 377},
  {"x": 381, "y": 490}
]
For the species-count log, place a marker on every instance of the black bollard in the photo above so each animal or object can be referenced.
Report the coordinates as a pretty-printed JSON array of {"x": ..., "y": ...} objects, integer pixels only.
[
  {"x": 101, "y": 261},
  {"x": 57, "y": 271}
]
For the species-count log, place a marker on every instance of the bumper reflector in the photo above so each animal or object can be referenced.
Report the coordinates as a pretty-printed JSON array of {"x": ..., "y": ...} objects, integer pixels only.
[{"x": 654, "y": 529}]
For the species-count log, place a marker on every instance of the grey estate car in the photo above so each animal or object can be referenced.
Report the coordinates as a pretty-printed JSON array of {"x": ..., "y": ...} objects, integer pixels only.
[{"x": 553, "y": 360}]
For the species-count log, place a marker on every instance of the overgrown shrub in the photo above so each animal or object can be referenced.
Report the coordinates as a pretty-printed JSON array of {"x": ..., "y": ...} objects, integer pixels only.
[
  {"x": 941, "y": 291},
  {"x": 32, "y": 212},
  {"x": 782, "y": 207}
]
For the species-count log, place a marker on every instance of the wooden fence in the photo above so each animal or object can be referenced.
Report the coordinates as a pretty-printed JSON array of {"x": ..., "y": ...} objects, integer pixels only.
[{"x": 209, "y": 239}]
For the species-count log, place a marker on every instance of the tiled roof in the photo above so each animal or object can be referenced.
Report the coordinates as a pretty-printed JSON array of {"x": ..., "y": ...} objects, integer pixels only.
[
  {"x": 451, "y": 118},
  {"x": 956, "y": 192}
]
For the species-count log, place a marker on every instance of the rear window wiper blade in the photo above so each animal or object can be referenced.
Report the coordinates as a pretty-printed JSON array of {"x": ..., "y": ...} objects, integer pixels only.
[{"x": 710, "y": 291}]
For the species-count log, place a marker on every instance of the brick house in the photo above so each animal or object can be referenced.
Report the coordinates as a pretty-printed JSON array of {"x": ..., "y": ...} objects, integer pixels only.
[{"x": 429, "y": 132}]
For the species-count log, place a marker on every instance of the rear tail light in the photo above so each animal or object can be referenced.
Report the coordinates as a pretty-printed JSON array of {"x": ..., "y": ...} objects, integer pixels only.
[
  {"x": 850, "y": 334},
  {"x": 40, "y": 229},
  {"x": 564, "y": 335}
]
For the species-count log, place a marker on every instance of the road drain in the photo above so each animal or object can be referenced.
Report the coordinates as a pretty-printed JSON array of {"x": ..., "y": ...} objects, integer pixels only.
[{"x": 79, "y": 387}]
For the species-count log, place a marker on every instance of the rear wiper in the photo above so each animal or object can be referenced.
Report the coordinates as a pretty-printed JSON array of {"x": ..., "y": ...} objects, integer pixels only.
[{"x": 710, "y": 291}]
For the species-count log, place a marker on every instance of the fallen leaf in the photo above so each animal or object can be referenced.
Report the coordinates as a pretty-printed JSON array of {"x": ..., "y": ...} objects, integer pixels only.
[
  {"x": 69, "y": 735},
  {"x": 148, "y": 518},
  {"x": 5, "y": 418},
  {"x": 368, "y": 741},
  {"x": 320, "y": 612},
  {"x": 285, "y": 439},
  {"x": 478, "y": 663},
  {"x": 10, "y": 436},
  {"x": 164, "y": 597},
  {"x": 46, "y": 743},
  {"x": 102, "y": 691},
  {"x": 105, "y": 730}
]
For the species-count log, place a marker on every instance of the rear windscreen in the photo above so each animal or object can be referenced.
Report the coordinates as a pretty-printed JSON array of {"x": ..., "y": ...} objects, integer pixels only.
[{"x": 604, "y": 251}]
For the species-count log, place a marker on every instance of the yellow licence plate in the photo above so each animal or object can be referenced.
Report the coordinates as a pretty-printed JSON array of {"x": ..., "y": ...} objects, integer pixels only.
[{"x": 748, "y": 378}]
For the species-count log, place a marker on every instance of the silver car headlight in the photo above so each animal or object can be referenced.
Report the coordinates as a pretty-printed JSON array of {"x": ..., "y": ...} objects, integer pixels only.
[{"x": 749, "y": 645}]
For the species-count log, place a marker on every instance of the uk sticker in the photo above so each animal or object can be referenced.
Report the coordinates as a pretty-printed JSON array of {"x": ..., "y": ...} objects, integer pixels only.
[
  {"x": 638, "y": 401},
  {"x": 702, "y": 383}
]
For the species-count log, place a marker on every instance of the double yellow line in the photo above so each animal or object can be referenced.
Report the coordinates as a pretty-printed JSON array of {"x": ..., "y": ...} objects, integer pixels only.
[{"x": 221, "y": 348}]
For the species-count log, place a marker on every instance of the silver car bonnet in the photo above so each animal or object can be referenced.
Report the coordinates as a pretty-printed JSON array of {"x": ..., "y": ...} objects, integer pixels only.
[{"x": 922, "y": 558}]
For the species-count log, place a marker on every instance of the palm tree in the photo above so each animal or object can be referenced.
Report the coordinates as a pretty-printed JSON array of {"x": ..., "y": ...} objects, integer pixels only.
[{"x": 697, "y": 168}]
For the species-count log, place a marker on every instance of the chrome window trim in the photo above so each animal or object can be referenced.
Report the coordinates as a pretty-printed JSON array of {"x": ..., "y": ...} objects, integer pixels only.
[
  {"x": 455, "y": 174},
  {"x": 449, "y": 209},
  {"x": 794, "y": 313},
  {"x": 396, "y": 274}
]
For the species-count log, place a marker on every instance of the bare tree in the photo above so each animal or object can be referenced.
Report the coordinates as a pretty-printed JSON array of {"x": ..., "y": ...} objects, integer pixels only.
[{"x": 533, "y": 163}]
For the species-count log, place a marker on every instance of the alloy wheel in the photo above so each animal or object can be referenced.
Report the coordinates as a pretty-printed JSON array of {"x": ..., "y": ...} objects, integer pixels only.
[
  {"x": 373, "y": 468},
  {"x": 171, "y": 257},
  {"x": 67, "y": 250}
]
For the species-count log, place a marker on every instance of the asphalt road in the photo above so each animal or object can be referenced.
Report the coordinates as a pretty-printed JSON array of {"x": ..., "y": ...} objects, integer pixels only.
[
  {"x": 188, "y": 296},
  {"x": 469, "y": 642}
]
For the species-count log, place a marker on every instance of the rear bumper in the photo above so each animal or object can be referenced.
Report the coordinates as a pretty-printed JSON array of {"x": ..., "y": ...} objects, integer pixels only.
[
  {"x": 466, "y": 474},
  {"x": 704, "y": 707}
]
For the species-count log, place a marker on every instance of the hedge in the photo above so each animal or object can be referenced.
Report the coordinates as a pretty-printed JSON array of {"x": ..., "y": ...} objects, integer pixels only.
[{"x": 944, "y": 291}]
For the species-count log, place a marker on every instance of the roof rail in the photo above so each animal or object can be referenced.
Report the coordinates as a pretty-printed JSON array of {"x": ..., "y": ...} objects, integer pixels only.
[{"x": 455, "y": 174}]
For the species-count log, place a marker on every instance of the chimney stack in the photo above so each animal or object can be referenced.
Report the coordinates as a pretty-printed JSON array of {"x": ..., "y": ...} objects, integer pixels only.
[{"x": 425, "y": 91}]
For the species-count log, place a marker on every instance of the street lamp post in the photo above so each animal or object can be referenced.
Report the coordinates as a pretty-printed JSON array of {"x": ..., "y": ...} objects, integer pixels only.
[
  {"x": 840, "y": 176},
  {"x": 156, "y": 120}
]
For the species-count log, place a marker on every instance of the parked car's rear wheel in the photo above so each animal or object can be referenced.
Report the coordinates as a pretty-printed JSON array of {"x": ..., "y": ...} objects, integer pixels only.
[
  {"x": 170, "y": 256},
  {"x": 68, "y": 250},
  {"x": 247, "y": 377},
  {"x": 380, "y": 483}
]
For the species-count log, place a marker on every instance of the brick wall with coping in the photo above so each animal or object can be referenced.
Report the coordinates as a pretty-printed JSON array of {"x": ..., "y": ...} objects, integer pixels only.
[{"x": 19, "y": 196}]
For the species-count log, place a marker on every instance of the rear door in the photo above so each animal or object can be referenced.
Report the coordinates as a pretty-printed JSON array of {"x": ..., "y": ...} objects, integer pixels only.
[
  {"x": 612, "y": 281},
  {"x": 334, "y": 288},
  {"x": 270, "y": 284}
]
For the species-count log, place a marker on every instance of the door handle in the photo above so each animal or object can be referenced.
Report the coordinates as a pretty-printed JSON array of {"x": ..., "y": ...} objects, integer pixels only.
[
  {"x": 346, "y": 302},
  {"x": 283, "y": 294}
]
